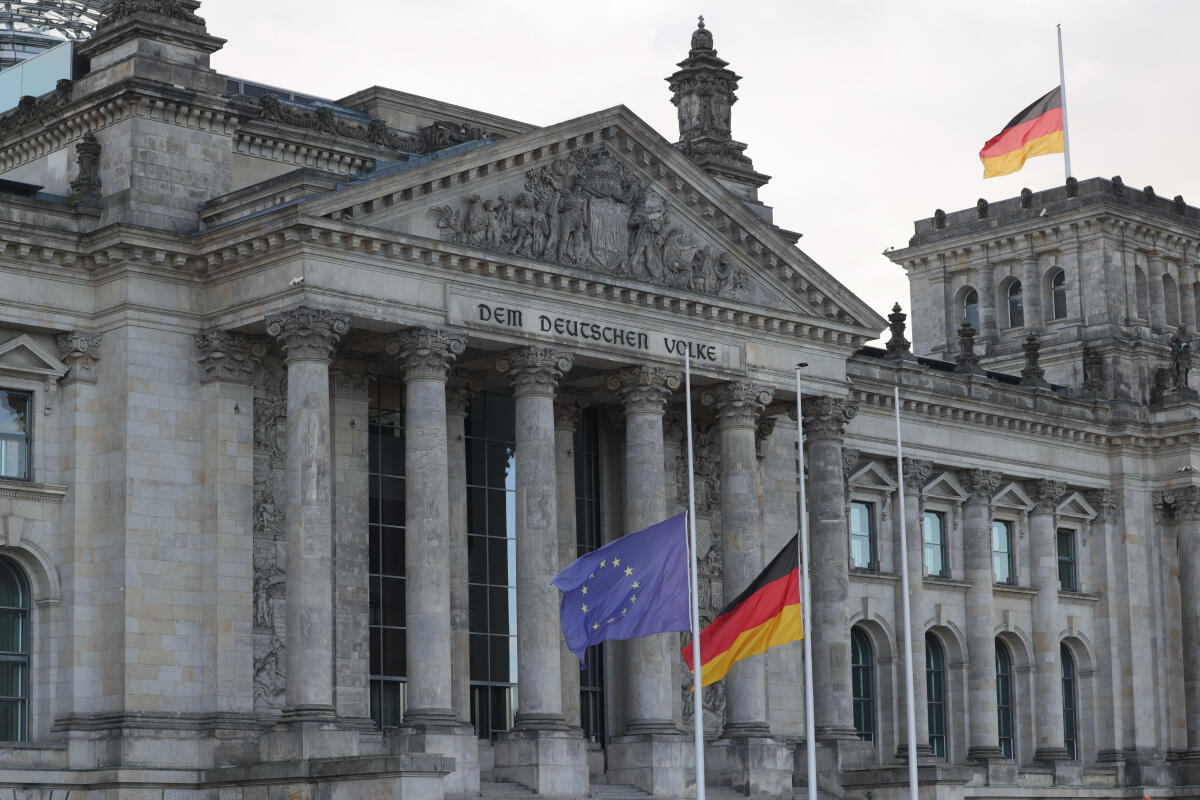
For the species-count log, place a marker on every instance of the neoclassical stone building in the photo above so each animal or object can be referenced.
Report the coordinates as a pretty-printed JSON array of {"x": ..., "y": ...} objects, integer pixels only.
[{"x": 304, "y": 403}]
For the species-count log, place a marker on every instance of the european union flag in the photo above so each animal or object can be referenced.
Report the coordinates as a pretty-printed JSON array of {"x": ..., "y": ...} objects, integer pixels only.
[{"x": 635, "y": 586}]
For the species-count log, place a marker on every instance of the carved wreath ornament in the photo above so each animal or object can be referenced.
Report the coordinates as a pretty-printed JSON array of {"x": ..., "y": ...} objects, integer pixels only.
[{"x": 586, "y": 210}]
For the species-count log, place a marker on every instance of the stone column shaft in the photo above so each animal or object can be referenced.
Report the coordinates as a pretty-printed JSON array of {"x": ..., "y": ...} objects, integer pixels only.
[
  {"x": 1158, "y": 303},
  {"x": 566, "y": 421},
  {"x": 984, "y": 736},
  {"x": 1187, "y": 531},
  {"x": 1187, "y": 297},
  {"x": 459, "y": 390},
  {"x": 1031, "y": 293},
  {"x": 987, "y": 300},
  {"x": 1046, "y": 658},
  {"x": 916, "y": 473}
]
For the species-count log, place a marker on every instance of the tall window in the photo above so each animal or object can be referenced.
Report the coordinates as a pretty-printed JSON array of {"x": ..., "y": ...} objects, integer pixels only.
[
  {"x": 971, "y": 308},
  {"x": 386, "y": 560},
  {"x": 935, "y": 544},
  {"x": 862, "y": 535},
  {"x": 14, "y": 653},
  {"x": 862, "y": 679},
  {"x": 1058, "y": 295},
  {"x": 587, "y": 527},
  {"x": 935, "y": 686},
  {"x": 1004, "y": 700},
  {"x": 1070, "y": 721},
  {"x": 1002, "y": 557},
  {"x": 492, "y": 560},
  {"x": 14, "y": 434},
  {"x": 1066, "y": 560},
  {"x": 1016, "y": 305}
]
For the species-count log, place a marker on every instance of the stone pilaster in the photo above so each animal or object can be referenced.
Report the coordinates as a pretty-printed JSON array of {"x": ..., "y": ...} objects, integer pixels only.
[
  {"x": 567, "y": 408},
  {"x": 984, "y": 737},
  {"x": 1154, "y": 285},
  {"x": 460, "y": 388},
  {"x": 1031, "y": 292},
  {"x": 916, "y": 474},
  {"x": 1047, "y": 661},
  {"x": 1187, "y": 530},
  {"x": 1115, "y": 609},
  {"x": 653, "y": 754},
  {"x": 987, "y": 296}
]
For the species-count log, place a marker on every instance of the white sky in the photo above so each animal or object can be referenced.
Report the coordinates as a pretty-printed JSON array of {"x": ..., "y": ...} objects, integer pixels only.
[{"x": 868, "y": 114}]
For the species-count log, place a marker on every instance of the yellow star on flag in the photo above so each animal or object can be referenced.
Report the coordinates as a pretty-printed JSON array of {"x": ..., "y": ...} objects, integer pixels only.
[
  {"x": 584, "y": 609},
  {"x": 584, "y": 590},
  {"x": 616, "y": 562},
  {"x": 595, "y": 625},
  {"x": 611, "y": 620},
  {"x": 636, "y": 585},
  {"x": 629, "y": 570},
  {"x": 604, "y": 563},
  {"x": 633, "y": 599}
]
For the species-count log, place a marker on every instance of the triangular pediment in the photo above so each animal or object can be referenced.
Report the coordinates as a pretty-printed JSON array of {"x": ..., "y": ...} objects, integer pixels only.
[
  {"x": 24, "y": 356},
  {"x": 944, "y": 486},
  {"x": 1012, "y": 496},
  {"x": 604, "y": 195},
  {"x": 874, "y": 475},
  {"x": 1076, "y": 506}
]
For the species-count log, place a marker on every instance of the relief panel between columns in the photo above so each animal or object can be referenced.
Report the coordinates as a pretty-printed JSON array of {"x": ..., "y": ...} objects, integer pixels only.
[{"x": 270, "y": 495}]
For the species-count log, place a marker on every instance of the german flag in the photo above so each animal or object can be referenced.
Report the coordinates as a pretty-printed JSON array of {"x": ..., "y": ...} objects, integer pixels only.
[
  {"x": 766, "y": 614},
  {"x": 1036, "y": 131}
]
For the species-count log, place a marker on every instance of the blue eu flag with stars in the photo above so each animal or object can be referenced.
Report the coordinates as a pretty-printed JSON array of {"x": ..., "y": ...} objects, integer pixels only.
[{"x": 634, "y": 586}]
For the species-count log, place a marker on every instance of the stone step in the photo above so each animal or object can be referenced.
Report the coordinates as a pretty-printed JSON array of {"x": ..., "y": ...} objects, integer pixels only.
[
  {"x": 504, "y": 789},
  {"x": 617, "y": 791}
]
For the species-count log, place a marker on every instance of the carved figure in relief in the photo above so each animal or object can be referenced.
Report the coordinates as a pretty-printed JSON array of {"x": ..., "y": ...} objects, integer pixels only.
[
  {"x": 493, "y": 223},
  {"x": 528, "y": 227},
  {"x": 474, "y": 221},
  {"x": 1181, "y": 359},
  {"x": 572, "y": 223},
  {"x": 647, "y": 221}
]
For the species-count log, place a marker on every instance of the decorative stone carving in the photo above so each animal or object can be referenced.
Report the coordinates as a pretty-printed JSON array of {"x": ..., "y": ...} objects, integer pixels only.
[
  {"x": 270, "y": 459},
  {"x": 226, "y": 356},
  {"x": 1045, "y": 493},
  {"x": 567, "y": 407},
  {"x": 1149, "y": 196},
  {"x": 535, "y": 370},
  {"x": 426, "y": 352},
  {"x": 1032, "y": 374},
  {"x": 826, "y": 417},
  {"x": 308, "y": 334},
  {"x": 980, "y": 484},
  {"x": 79, "y": 351},
  {"x": 916, "y": 475},
  {"x": 643, "y": 388},
  {"x": 1118, "y": 186},
  {"x": 850, "y": 457},
  {"x": 35, "y": 109},
  {"x": 939, "y": 219},
  {"x": 1093, "y": 372},
  {"x": 119, "y": 10},
  {"x": 968, "y": 359},
  {"x": 1106, "y": 502},
  {"x": 762, "y": 434},
  {"x": 86, "y": 186},
  {"x": 1180, "y": 205},
  {"x": 981, "y": 209},
  {"x": 1072, "y": 187},
  {"x": 897, "y": 346},
  {"x": 1186, "y": 503},
  {"x": 737, "y": 403},
  {"x": 351, "y": 373},
  {"x": 1026, "y": 198},
  {"x": 588, "y": 210},
  {"x": 707, "y": 477},
  {"x": 1181, "y": 358},
  {"x": 461, "y": 386}
]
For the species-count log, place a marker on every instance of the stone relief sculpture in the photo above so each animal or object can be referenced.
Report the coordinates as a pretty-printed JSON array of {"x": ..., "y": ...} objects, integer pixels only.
[
  {"x": 270, "y": 455},
  {"x": 589, "y": 211}
]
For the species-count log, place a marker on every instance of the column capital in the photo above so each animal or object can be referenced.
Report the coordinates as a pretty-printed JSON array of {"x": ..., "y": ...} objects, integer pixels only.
[
  {"x": 306, "y": 333},
  {"x": 850, "y": 456},
  {"x": 826, "y": 417},
  {"x": 1185, "y": 503},
  {"x": 567, "y": 406},
  {"x": 426, "y": 352},
  {"x": 737, "y": 403},
  {"x": 1107, "y": 503},
  {"x": 916, "y": 475},
  {"x": 1045, "y": 494},
  {"x": 535, "y": 370},
  {"x": 461, "y": 386},
  {"x": 79, "y": 350},
  {"x": 643, "y": 389},
  {"x": 351, "y": 373},
  {"x": 980, "y": 484},
  {"x": 226, "y": 356}
]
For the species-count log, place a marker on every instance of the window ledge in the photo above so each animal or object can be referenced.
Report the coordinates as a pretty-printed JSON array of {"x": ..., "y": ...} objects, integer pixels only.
[
  {"x": 1013, "y": 590},
  {"x": 934, "y": 582},
  {"x": 24, "y": 490},
  {"x": 33, "y": 745},
  {"x": 872, "y": 576},
  {"x": 1078, "y": 598}
]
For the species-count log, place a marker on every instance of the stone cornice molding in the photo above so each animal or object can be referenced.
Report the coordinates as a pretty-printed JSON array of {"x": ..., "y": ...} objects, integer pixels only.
[
  {"x": 1107, "y": 503},
  {"x": 825, "y": 417},
  {"x": 738, "y": 404},
  {"x": 461, "y": 386},
  {"x": 351, "y": 373},
  {"x": 302, "y": 151},
  {"x": 1045, "y": 494},
  {"x": 568, "y": 406},
  {"x": 79, "y": 350},
  {"x": 916, "y": 475},
  {"x": 980, "y": 484},
  {"x": 227, "y": 356},
  {"x": 307, "y": 334},
  {"x": 643, "y": 389},
  {"x": 535, "y": 370},
  {"x": 426, "y": 353}
]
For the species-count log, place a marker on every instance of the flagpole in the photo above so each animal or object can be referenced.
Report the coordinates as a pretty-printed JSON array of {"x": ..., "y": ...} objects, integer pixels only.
[
  {"x": 805, "y": 604},
  {"x": 904, "y": 588},
  {"x": 1062, "y": 82},
  {"x": 697, "y": 682}
]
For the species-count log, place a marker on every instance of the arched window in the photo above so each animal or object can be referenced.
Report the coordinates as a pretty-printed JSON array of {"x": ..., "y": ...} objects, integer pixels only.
[
  {"x": 971, "y": 308},
  {"x": 862, "y": 679},
  {"x": 14, "y": 653},
  {"x": 1070, "y": 720},
  {"x": 1143, "y": 299},
  {"x": 1058, "y": 295},
  {"x": 935, "y": 685},
  {"x": 1016, "y": 305},
  {"x": 1004, "y": 700}
]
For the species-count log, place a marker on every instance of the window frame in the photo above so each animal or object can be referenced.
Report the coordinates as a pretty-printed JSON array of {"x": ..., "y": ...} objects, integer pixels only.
[
  {"x": 967, "y": 307},
  {"x": 942, "y": 545},
  {"x": 1019, "y": 297},
  {"x": 1070, "y": 707},
  {"x": 1011, "y": 556},
  {"x": 935, "y": 678},
  {"x": 872, "y": 536},
  {"x": 862, "y": 675},
  {"x": 27, "y": 438},
  {"x": 1071, "y": 562},
  {"x": 1058, "y": 291},
  {"x": 24, "y": 656},
  {"x": 1005, "y": 712}
]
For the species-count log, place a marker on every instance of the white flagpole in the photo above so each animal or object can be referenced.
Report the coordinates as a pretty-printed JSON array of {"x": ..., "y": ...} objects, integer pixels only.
[
  {"x": 805, "y": 601},
  {"x": 908, "y": 660},
  {"x": 697, "y": 682},
  {"x": 1062, "y": 84}
]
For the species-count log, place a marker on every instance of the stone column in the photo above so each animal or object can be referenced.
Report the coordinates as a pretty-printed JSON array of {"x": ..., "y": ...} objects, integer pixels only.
[
  {"x": 1187, "y": 296},
  {"x": 916, "y": 473},
  {"x": 1113, "y": 635},
  {"x": 460, "y": 388},
  {"x": 1043, "y": 542},
  {"x": 566, "y": 420},
  {"x": 1158, "y": 302},
  {"x": 1031, "y": 294},
  {"x": 987, "y": 296},
  {"x": 540, "y": 752},
  {"x": 1187, "y": 531},
  {"x": 984, "y": 737},
  {"x": 652, "y": 754},
  {"x": 308, "y": 337}
]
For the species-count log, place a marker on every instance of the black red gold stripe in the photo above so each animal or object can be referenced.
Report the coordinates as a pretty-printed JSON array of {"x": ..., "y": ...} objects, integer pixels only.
[
  {"x": 1036, "y": 131},
  {"x": 767, "y": 613}
]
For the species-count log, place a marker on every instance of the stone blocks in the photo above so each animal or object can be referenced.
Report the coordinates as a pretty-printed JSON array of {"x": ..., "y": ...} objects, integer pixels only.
[{"x": 550, "y": 762}]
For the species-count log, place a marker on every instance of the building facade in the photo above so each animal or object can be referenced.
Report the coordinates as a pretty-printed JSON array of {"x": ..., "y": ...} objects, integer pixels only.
[{"x": 305, "y": 402}]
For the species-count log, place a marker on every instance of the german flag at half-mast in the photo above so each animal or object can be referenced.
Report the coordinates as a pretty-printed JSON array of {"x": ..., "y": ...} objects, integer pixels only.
[
  {"x": 1036, "y": 131},
  {"x": 767, "y": 613}
]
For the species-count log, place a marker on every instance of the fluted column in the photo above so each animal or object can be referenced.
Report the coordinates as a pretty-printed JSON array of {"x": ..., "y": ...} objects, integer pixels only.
[
  {"x": 824, "y": 421},
  {"x": 1187, "y": 530},
  {"x": 1047, "y": 661},
  {"x": 308, "y": 337},
  {"x": 737, "y": 406},
  {"x": 460, "y": 387},
  {"x": 426, "y": 355},
  {"x": 984, "y": 737},
  {"x": 566, "y": 419},
  {"x": 916, "y": 473}
]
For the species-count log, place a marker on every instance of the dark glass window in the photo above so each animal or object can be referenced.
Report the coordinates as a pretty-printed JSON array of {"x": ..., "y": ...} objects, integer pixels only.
[
  {"x": 935, "y": 544},
  {"x": 1067, "y": 580},
  {"x": 1016, "y": 305},
  {"x": 862, "y": 679},
  {"x": 1070, "y": 721},
  {"x": 14, "y": 653},
  {"x": 1002, "y": 556},
  {"x": 1004, "y": 700},
  {"x": 492, "y": 555},
  {"x": 971, "y": 308},
  {"x": 935, "y": 686},
  {"x": 862, "y": 536},
  {"x": 1058, "y": 295},
  {"x": 14, "y": 434},
  {"x": 587, "y": 527},
  {"x": 385, "y": 475}
]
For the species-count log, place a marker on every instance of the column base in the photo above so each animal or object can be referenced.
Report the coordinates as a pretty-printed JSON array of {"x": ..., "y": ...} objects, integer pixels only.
[
  {"x": 837, "y": 733},
  {"x": 924, "y": 752},
  {"x": 832, "y": 758},
  {"x": 443, "y": 737},
  {"x": 659, "y": 763},
  {"x": 550, "y": 761},
  {"x": 1049, "y": 755},
  {"x": 299, "y": 737},
  {"x": 758, "y": 766},
  {"x": 984, "y": 753}
]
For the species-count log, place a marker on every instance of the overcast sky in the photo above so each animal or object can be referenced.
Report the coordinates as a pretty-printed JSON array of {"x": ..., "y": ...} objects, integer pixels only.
[{"x": 868, "y": 114}]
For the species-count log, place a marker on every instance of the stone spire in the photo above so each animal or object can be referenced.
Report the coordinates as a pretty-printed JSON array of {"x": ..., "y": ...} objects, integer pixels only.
[{"x": 703, "y": 92}]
